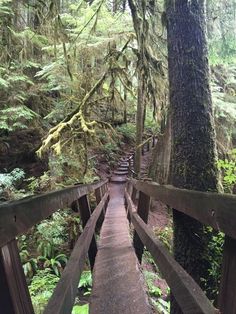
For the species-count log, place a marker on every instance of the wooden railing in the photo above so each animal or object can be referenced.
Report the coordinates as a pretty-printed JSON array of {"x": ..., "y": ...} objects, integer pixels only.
[
  {"x": 211, "y": 209},
  {"x": 18, "y": 217}
]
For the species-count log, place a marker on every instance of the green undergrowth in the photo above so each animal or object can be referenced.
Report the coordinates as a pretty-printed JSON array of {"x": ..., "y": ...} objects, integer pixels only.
[
  {"x": 157, "y": 288},
  {"x": 44, "y": 283},
  {"x": 44, "y": 252}
]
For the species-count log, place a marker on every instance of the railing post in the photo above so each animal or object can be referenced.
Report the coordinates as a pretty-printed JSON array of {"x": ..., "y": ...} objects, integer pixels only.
[
  {"x": 142, "y": 210},
  {"x": 85, "y": 214},
  {"x": 15, "y": 297},
  {"x": 153, "y": 141},
  {"x": 133, "y": 195},
  {"x": 129, "y": 188},
  {"x": 142, "y": 149},
  {"x": 227, "y": 300},
  {"x": 98, "y": 195}
]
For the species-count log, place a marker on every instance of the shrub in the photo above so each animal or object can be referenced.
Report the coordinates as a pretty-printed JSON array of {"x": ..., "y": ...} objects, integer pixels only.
[
  {"x": 228, "y": 167},
  {"x": 41, "y": 289},
  {"x": 128, "y": 131}
]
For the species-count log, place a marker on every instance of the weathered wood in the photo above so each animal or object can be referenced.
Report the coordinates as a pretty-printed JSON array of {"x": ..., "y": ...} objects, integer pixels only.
[
  {"x": 117, "y": 282},
  {"x": 15, "y": 297},
  {"x": 213, "y": 209},
  {"x": 98, "y": 196},
  {"x": 65, "y": 292},
  {"x": 85, "y": 214},
  {"x": 188, "y": 294},
  {"x": 134, "y": 195},
  {"x": 18, "y": 216},
  {"x": 143, "y": 151},
  {"x": 153, "y": 141},
  {"x": 142, "y": 210},
  {"x": 227, "y": 300}
]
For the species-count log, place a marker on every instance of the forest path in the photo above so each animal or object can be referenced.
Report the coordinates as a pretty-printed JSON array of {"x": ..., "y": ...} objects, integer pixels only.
[{"x": 118, "y": 285}]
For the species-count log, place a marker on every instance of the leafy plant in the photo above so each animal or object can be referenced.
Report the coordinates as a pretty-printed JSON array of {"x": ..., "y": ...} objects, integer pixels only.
[
  {"x": 214, "y": 255},
  {"x": 228, "y": 167},
  {"x": 128, "y": 131},
  {"x": 30, "y": 267},
  {"x": 86, "y": 282},
  {"x": 46, "y": 248},
  {"x": 14, "y": 118},
  {"x": 86, "y": 279},
  {"x": 165, "y": 235},
  {"x": 9, "y": 180},
  {"x": 161, "y": 306},
  {"x": 80, "y": 309},
  {"x": 156, "y": 293},
  {"x": 41, "y": 289},
  {"x": 51, "y": 232},
  {"x": 56, "y": 264}
]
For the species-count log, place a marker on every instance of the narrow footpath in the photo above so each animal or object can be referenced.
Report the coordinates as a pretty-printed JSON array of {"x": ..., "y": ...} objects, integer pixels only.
[{"x": 118, "y": 285}]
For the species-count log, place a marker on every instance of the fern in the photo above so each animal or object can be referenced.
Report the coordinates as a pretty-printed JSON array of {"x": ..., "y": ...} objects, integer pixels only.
[
  {"x": 14, "y": 118},
  {"x": 4, "y": 83},
  {"x": 5, "y": 8},
  {"x": 8, "y": 180}
]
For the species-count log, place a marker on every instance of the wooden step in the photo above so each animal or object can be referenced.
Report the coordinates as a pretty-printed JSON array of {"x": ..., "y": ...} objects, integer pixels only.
[
  {"x": 120, "y": 173},
  {"x": 122, "y": 168},
  {"x": 124, "y": 164},
  {"x": 118, "y": 179},
  {"x": 118, "y": 286}
]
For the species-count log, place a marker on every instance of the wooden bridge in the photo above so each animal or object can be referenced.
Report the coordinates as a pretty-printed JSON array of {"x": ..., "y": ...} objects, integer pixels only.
[{"x": 118, "y": 286}]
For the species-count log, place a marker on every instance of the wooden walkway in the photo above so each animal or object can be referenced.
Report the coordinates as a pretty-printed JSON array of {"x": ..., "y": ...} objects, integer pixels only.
[{"x": 118, "y": 285}]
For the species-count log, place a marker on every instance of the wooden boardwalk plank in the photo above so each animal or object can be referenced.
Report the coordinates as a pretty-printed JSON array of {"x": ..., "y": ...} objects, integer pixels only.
[{"x": 118, "y": 286}]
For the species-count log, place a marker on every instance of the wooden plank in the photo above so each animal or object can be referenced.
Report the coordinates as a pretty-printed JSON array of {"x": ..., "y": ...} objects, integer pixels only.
[
  {"x": 63, "y": 297},
  {"x": 18, "y": 216},
  {"x": 188, "y": 294},
  {"x": 85, "y": 214},
  {"x": 134, "y": 195},
  {"x": 227, "y": 300},
  {"x": 216, "y": 210},
  {"x": 143, "y": 151},
  {"x": 118, "y": 286},
  {"x": 98, "y": 196},
  {"x": 142, "y": 210},
  {"x": 153, "y": 141},
  {"x": 15, "y": 297}
]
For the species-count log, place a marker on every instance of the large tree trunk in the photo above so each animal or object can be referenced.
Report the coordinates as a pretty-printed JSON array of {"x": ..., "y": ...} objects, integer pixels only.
[{"x": 193, "y": 160}]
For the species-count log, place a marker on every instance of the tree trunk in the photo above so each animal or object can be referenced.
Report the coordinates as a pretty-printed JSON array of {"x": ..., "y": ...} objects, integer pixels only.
[
  {"x": 139, "y": 122},
  {"x": 125, "y": 106},
  {"x": 141, "y": 29},
  {"x": 193, "y": 155}
]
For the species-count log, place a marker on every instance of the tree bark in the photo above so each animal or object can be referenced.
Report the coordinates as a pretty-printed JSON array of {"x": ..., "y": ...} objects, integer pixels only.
[{"x": 193, "y": 154}]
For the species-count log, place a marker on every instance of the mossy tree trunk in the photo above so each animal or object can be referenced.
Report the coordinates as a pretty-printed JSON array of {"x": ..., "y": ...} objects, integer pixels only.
[
  {"x": 193, "y": 155},
  {"x": 138, "y": 11}
]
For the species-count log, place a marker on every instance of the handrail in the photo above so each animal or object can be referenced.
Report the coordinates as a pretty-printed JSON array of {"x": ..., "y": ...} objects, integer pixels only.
[
  {"x": 65, "y": 292},
  {"x": 214, "y": 209},
  {"x": 188, "y": 294},
  {"x": 18, "y": 216}
]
